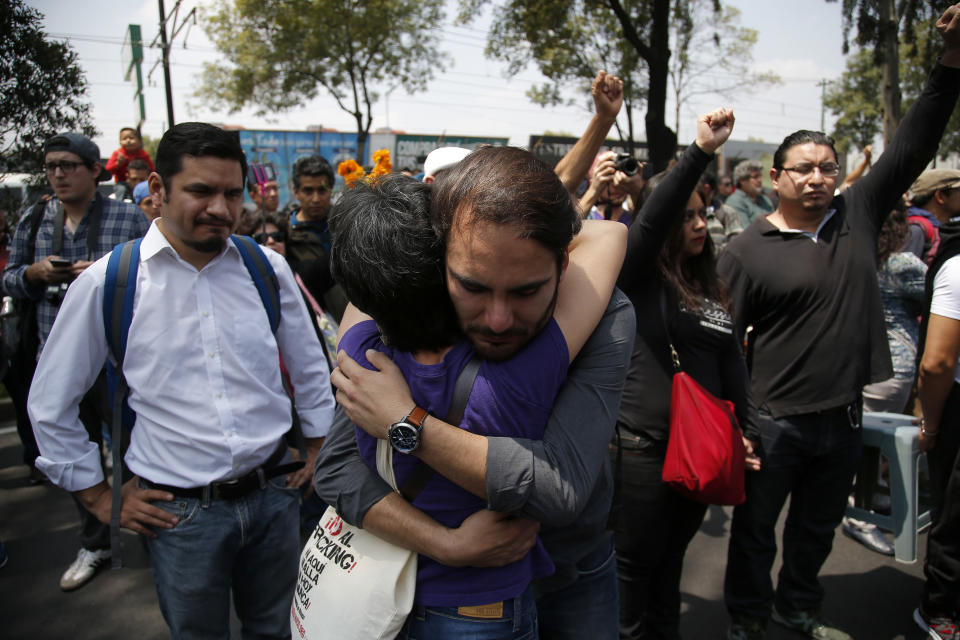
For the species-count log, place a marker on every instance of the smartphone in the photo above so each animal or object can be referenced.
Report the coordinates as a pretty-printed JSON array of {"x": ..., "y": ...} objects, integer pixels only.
[{"x": 60, "y": 262}]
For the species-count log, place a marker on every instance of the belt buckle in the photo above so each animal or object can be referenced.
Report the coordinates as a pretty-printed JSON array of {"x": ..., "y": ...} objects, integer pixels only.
[{"x": 228, "y": 489}]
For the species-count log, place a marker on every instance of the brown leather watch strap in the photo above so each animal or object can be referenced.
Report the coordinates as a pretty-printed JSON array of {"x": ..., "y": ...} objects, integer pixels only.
[{"x": 416, "y": 417}]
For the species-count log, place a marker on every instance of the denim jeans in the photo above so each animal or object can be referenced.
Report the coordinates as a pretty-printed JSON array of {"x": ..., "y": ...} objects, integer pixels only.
[
  {"x": 588, "y": 607},
  {"x": 655, "y": 527},
  {"x": 812, "y": 458},
  {"x": 518, "y": 622},
  {"x": 251, "y": 545}
]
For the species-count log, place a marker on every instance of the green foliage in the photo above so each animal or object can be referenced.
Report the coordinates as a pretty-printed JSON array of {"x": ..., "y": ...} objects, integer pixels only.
[
  {"x": 856, "y": 101},
  {"x": 864, "y": 17},
  {"x": 150, "y": 145},
  {"x": 570, "y": 40},
  {"x": 42, "y": 89},
  {"x": 282, "y": 53},
  {"x": 712, "y": 54},
  {"x": 856, "y": 97}
]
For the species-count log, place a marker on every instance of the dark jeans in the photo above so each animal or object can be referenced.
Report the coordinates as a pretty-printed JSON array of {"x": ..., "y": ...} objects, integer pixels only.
[
  {"x": 17, "y": 382},
  {"x": 587, "y": 608},
  {"x": 248, "y": 547},
  {"x": 811, "y": 458},
  {"x": 94, "y": 535},
  {"x": 655, "y": 526},
  {"x": 941, "y": 592}
]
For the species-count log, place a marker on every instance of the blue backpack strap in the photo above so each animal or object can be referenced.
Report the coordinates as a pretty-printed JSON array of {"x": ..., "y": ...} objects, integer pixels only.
[
  {"x": 121, "y": 278},
  {"x": 119, "y": 288},
  {"x": 263, "y": 276}
]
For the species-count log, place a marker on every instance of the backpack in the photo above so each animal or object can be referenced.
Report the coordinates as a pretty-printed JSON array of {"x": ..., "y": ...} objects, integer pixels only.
[
  {"x": 119, "y": 289},
  {"x": 931, "y": 237}
]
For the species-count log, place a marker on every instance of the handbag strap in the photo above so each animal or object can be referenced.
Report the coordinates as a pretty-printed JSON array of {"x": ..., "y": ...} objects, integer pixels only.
[
  {"x": 461, "y": 393},
  {"x": 666, "y": 328}
]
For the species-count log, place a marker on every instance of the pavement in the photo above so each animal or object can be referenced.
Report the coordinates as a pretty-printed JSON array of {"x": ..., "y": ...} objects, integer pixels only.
[{"x": 872, "y": 597}]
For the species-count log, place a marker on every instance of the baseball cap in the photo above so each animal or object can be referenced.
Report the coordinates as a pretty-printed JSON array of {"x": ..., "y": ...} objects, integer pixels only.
[
  {"x": 140, "y": 192},
  {"x": 74, "y": 143},
  {"x": 443, "y": 158},
  {"x": 935, "y": 179}
]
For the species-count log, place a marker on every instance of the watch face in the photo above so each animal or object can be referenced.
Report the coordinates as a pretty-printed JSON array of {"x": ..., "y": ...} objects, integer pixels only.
[{"x": 404, "y": 437}]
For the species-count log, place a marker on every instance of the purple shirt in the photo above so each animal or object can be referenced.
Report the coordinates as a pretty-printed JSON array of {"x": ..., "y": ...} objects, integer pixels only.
[{"x": 511, "y": 398}]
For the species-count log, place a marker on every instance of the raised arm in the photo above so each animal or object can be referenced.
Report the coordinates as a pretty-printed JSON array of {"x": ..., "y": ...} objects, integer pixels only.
[
  {"x": 596, "y": 255},
  {"x": 915, "y": 142},
  {"x": 860, "y": 169},
  {"x": 607, "y": 94},
  {"x": 669, "y": 199}
]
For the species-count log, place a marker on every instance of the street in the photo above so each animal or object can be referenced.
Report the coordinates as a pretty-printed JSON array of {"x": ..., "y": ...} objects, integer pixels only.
[{"x": 870, "y": 596}]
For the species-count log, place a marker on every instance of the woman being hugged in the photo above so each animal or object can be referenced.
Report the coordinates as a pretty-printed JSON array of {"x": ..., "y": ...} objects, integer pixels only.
[{"x": 670, "y": 277}]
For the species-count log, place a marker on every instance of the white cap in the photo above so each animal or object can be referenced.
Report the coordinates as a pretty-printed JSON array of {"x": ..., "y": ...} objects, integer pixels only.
[{"x": 443, "y": 158}]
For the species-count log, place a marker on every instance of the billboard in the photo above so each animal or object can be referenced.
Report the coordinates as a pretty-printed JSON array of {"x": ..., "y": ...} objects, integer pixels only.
[
  {"x": 551, "y": 148},
  {"x": 282, "y": 148},
  {"x": 412, "y": 149}
]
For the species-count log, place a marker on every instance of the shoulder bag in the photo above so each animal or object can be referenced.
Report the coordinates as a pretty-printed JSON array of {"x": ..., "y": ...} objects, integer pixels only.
[
  {"x": 705, "y": 458},
  {"x": 352, "y": 585}
]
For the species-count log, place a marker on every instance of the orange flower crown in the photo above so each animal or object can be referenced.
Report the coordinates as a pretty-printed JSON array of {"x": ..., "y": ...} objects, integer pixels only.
[{"x": 351, "y": 171}]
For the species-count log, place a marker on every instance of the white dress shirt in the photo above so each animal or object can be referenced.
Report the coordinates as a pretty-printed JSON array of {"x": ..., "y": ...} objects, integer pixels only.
[{"x": 202, "y": 367}]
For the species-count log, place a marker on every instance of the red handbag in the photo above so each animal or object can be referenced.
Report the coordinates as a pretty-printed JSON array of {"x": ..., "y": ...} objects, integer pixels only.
[
  {"x": 705, "y": 453},
  {"x": 705, "y": 458}
]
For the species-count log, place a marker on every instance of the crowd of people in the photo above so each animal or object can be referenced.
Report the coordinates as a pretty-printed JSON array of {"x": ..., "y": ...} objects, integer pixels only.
[{"x": 246, "y": 365}]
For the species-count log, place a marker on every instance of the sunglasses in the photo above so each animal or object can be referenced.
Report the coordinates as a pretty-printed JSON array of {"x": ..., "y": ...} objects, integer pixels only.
[{"x": 276, "y": 236}]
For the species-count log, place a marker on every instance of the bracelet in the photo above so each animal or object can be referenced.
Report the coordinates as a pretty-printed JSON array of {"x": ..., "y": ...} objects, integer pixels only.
[{"x": 923, "y": 429}]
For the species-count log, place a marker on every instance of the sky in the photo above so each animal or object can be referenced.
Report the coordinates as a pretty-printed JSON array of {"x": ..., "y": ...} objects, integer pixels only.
[{"x": 472, "y": 97}]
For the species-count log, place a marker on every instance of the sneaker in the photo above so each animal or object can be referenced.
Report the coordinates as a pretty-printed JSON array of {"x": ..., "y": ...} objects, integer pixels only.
[
  {"x": 83, "y": 568},
  {"x": 936, "y": 628},
  {"x": 809, "y": 623},
  {"x": 746, "y": 628},
  {"x": 868, "y": 535}
]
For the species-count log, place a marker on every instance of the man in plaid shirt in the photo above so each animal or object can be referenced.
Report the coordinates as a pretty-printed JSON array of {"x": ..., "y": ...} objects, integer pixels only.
[{"x": 78, "y": 227}]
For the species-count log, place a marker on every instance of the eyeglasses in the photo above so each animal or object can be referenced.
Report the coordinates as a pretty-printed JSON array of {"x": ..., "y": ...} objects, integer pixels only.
[
  {"x": 827, "y": 169},
  {"x": 276, "y": 236},
  {"x": 67, "y": 166}
]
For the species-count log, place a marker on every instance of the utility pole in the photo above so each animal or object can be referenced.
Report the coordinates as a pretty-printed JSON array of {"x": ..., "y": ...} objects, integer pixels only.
[
  {"x": 165, "y": 47},
  {"x": 823, "y": 105},
  {"x": 189, "y": 19}
]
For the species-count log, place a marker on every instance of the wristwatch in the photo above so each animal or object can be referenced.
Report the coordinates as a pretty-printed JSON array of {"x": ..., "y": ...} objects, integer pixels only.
[{"x": 404, "y": 436}]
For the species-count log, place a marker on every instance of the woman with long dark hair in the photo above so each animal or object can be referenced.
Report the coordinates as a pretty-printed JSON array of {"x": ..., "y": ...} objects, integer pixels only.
[{"x": 669, "y": 276}]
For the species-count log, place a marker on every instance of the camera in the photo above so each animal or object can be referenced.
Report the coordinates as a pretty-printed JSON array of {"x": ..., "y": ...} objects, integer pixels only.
[
  {"x": 55, "y": 293},
  {"x": 627, "y": 164}
]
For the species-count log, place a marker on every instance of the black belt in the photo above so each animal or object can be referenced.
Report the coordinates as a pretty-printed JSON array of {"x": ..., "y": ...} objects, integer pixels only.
[{"x": 238, "y": 487}]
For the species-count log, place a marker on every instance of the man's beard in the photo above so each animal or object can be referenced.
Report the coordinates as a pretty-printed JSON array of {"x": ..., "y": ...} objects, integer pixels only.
[
  {"x": 496, "y": 355},
  {"x": 213, "y": 245}
]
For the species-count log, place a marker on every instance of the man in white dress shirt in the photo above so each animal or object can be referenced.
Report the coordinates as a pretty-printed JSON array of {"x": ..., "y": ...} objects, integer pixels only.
[{"x": 203, "y": 370}]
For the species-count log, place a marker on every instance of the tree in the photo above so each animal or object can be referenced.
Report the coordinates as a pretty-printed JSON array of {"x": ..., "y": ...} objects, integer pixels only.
[
  {"x": 856, "y": 98},
  {"x": 281, "y": 53},
  {"x": 589, "y": 47},
  {"x": 42, "y": 89},
  {"x": 880, "y": 25},
  {"x": 712, "y": 54},
  {"x": 550, "y": 33}
]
